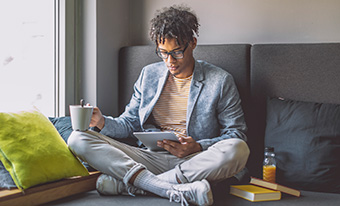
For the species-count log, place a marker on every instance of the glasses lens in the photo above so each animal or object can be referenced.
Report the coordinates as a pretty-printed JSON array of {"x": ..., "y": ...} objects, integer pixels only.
[
  {"x": 174, "y": 54},
  {"x": 163, "y": 55},
  {"x": 177, "y": 54}
]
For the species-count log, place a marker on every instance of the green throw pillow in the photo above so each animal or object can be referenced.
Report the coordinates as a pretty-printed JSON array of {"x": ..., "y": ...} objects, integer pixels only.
[{"x": 33, "y": 152}]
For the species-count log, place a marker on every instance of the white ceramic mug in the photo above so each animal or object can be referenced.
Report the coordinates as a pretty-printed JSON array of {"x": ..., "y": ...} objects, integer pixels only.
[{"x": 80, "y": 117}]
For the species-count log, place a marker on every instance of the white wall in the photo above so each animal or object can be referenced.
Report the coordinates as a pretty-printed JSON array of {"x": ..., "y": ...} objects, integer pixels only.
[
  {"x": 111, "y": 36},
  {"x": 87, "y": 68},
  {"x": 105, "y": 29},
  {"x": 250, "y": 21},
  {"x": 126, "y": 22}
]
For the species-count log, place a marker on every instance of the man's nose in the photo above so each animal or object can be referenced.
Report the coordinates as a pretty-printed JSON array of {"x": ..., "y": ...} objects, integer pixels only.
[{"x": 170, "y": 59}]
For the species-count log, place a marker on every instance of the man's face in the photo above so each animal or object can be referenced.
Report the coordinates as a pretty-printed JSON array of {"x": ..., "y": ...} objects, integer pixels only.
[{"x": 180, "y": 67}]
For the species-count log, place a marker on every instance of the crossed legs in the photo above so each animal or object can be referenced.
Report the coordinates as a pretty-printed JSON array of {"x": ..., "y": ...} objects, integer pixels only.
[{"x": 134, "y": 165}]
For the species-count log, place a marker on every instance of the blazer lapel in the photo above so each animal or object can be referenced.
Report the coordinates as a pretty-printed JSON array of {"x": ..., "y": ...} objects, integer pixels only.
[
  {"x": 195, "y": 90},
  {"x": 161, "y": 83}
]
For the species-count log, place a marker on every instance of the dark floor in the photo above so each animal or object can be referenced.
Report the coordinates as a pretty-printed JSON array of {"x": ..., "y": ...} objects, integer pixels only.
[{"x": 221, "y": 198}]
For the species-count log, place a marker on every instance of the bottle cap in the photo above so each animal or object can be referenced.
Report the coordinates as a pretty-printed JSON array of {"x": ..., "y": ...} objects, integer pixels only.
[{"x": 269, "y": 149}]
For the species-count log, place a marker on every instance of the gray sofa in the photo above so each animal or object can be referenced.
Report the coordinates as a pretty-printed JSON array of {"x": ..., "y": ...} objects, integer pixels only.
[{"x": 299, "y": 72}]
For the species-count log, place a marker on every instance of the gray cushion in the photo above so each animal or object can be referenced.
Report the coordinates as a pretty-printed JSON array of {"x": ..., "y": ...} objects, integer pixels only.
[
  {"x": 6, "y": 180},
  {"x": 63, "y": 125},
  {"x": 306, "y": 138}
]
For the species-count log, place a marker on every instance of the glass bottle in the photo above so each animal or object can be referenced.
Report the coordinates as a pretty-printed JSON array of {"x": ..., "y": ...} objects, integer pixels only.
[{"x": 269, "y": 165}]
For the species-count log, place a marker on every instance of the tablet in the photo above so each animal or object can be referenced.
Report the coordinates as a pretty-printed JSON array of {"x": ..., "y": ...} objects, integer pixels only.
[{"x": 150, "y": 139}]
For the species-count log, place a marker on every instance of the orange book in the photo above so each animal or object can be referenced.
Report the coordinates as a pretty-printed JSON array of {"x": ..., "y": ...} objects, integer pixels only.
[
  {"x": 274, "y": 186},
  {"x": 254, "y": 193}
]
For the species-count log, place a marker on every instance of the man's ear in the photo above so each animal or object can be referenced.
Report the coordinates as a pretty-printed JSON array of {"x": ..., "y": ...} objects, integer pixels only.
[{"x": 193, "y": 43}]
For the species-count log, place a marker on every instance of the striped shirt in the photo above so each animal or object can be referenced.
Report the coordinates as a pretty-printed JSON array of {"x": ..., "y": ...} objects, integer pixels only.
[{"x": 171, "y": 108}]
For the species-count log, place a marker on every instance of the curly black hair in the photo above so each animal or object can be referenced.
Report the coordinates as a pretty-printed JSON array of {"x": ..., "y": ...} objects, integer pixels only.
[{"x": 177, "y": 22}]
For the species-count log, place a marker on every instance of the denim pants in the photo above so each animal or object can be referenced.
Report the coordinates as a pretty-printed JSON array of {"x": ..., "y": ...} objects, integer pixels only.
[{"x": 220, "y": 161}]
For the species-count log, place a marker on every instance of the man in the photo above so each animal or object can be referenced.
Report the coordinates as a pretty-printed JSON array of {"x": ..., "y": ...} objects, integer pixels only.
[{"x": 196, "y": 100}]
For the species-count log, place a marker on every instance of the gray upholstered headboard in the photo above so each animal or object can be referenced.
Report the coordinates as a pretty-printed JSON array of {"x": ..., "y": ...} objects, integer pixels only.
[
  {"x": 305, "y": 72},
  {"x": 235, "y": 58}
]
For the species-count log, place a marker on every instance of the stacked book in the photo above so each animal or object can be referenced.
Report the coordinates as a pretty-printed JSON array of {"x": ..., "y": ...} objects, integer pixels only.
[{"x": 260, "y": 190}]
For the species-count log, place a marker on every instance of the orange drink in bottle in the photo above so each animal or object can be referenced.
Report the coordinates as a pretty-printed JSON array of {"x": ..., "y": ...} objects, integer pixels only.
[
  {"x": 269, "y": 173},
  {"x": 269, "y": 165}
]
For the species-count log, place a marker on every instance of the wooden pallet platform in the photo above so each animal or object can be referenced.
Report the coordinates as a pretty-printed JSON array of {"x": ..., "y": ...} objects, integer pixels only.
[{"x": 49, "y": 192}]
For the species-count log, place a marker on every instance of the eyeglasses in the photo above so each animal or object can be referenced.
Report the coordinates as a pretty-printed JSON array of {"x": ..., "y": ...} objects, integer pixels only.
[{"x": 175, "y": 54}]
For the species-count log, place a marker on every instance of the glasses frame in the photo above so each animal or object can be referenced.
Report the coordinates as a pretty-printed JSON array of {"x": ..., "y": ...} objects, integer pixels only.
[{"x": 158, "y": 52}]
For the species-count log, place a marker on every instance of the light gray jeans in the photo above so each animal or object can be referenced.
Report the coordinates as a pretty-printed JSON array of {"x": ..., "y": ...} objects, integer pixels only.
[{"x": 220, "y": 161}]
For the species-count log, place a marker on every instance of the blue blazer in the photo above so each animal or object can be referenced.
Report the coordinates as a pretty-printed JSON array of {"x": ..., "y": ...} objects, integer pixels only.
[{"x": 214, "y": 108}]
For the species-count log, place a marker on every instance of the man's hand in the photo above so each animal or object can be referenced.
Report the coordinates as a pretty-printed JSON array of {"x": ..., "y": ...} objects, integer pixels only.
[
  {"x": 97, "y": 119},
  {"x": 186, "y": 146}
]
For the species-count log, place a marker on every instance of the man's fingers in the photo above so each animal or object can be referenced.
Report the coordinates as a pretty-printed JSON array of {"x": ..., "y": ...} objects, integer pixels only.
[
  {"x": 171, "y": 149},
  {"x": 171, "y": 143},
  {"x": 186, "y": 139},
  {"x": 168, "y": 147},
  {"x": 160, "y": 144}
]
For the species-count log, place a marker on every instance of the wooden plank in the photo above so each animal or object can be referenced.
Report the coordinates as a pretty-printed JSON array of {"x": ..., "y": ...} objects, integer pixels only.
[{"x": 49, "y": 192}]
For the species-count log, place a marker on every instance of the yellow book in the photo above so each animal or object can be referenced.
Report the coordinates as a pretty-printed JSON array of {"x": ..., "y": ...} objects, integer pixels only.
[
  {"x": 274, "y": 186},
  {"x": 254, "y": 193}
]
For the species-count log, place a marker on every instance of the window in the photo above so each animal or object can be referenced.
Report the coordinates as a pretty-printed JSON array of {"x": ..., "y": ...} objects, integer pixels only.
[{"x": 27, "y": 55}]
